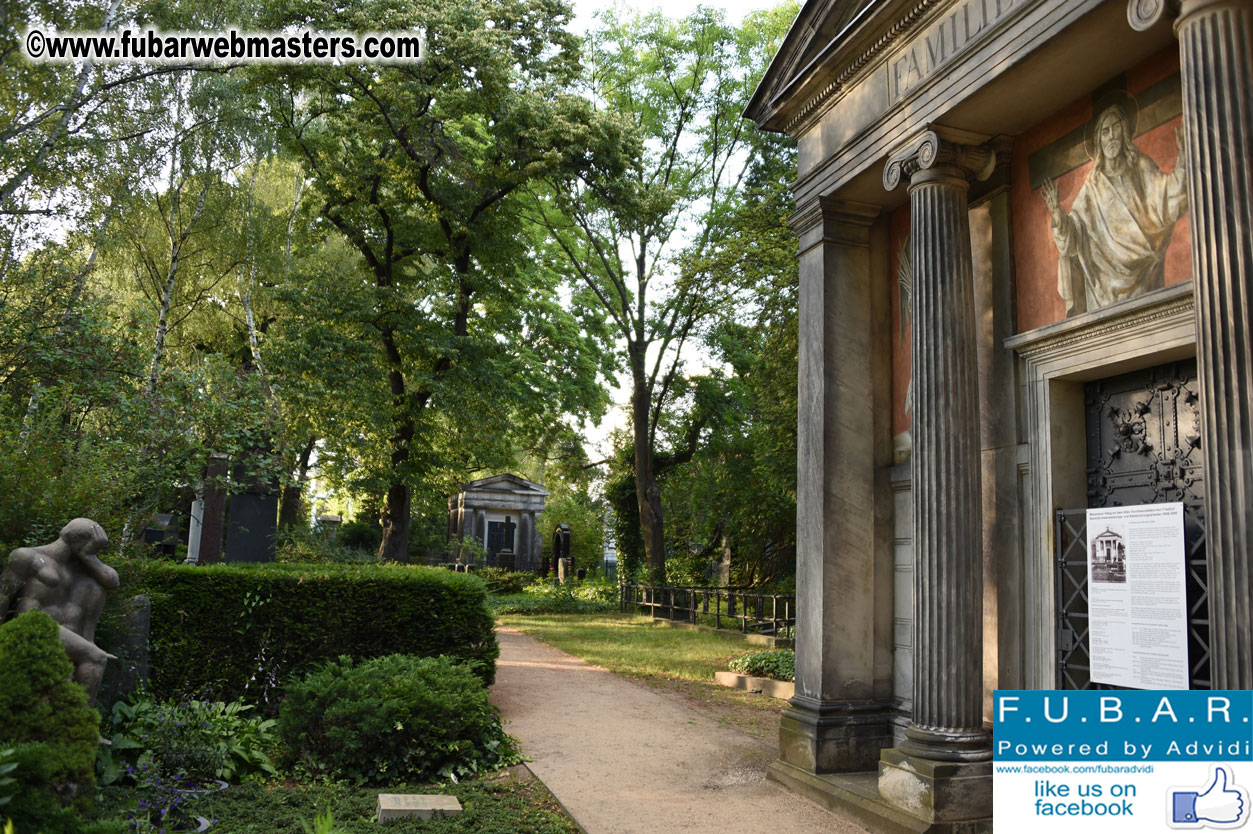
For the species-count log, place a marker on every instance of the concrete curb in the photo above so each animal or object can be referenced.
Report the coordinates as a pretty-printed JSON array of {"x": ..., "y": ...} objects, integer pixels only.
[
  {"x": 749, "y": 637},
  {"x": 766, "y": 686}
]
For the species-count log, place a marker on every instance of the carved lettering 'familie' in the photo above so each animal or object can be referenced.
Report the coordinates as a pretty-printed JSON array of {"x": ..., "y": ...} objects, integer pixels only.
[{"x": 956, "y": 29}]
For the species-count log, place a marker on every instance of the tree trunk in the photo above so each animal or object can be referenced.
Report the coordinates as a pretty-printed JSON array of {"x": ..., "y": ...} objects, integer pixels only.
[
  {"x": 395, "y": 516},
  {"x": 647, "y": 494},
  {"x": 290, "y": 510},
  {"x": 395, "y": 545}
]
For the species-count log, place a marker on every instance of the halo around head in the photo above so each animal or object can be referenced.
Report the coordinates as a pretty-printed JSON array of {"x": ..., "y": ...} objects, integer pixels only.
[{"x": 1116, "y": 98}]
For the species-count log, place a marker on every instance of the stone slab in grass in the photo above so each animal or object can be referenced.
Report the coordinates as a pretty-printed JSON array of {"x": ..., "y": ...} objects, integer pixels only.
[
  {"x": 395, "y": 806},
  {"x": 766, "y": 686}
]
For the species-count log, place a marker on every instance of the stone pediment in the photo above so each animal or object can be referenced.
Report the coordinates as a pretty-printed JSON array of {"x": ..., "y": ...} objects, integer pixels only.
[
  {"x": 817, "y": 27},
  {"x": 505, "y": 482}
]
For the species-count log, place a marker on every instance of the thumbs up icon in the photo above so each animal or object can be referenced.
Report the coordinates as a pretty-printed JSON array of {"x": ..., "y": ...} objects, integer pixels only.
[{"x": 1221, "y": 805}]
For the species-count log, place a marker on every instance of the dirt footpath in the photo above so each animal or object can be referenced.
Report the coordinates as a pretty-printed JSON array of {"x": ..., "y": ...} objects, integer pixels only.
[{"x": 622, "y": 758}]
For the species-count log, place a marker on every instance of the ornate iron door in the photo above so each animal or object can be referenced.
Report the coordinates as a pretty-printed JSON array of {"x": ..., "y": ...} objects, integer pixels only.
[{"x": 1143, "y": 447}]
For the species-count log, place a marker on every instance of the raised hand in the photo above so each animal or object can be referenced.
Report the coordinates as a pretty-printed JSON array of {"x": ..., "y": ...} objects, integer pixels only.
[{"x": 1049, "y": 191}]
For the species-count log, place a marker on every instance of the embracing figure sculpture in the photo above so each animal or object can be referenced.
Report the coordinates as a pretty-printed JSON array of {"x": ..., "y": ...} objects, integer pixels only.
[{"x": 67, "y": 581}]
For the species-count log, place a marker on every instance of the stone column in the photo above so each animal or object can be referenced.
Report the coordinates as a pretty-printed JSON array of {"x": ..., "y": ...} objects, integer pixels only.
[
  {"x": 839, "y": 717},
  {"x": 1216, "y": 54},
  {"x": 942, "y": 771},
  {"x": 194, "y": 525}
]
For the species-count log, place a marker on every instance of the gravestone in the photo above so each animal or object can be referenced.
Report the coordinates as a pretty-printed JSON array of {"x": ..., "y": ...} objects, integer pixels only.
[
  {"x": 561, "y": 549},
  {"x": 252, "y": 518},
  {"x": 251, "y": 527},
  {"x": 397, "y": 806},
  {"x": 127, "y": 639},
  {"x": 161, "y": 534},
  {"x": 214, "y": 512}
]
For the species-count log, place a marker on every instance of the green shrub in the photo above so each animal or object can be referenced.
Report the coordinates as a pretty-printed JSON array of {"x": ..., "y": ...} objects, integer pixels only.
[
  {"x": 238, "y": 631},
  {"x": 198, "y": 741},
  {"x": 40, "y": 703},
  {"x": 301, "y": 545},
  {"x": 501, "y": 581},
  {"x": 360, "y": 535},
  {"x": 34, "y": 806},
  {"x": 778, "y": 664},
  {"x": 555, "y": 599},
  {"x": 393, "y": 718},
  {"x": 602, "y": 591}
]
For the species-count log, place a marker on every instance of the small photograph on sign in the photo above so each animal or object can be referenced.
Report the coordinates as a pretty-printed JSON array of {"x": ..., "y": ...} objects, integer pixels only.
[{"x": 1108, "y": 561}]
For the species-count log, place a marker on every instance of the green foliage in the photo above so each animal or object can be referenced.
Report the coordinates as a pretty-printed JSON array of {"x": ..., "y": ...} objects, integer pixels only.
[
  {"x": 453, "y": 343},
  {"x": 8, "y": 763},
  {"x": 546, "y": 598},
  {"x": 323, "y": 823},
  {"x": 392, "y": 718},
  {"x": 360, "y": 535},
  {"x": 34, "y": 807},
  {"x": 571, "y": 503},
  {"x": 239, "y": 630},
  {"x": 163, "y": 801},
  {"x": 491, "y": 806},
  {"x": 467, "y": 550},
  {"x": 620, "y": 495},
  {"x": 299, "y": 544},
  {"x": 199, "y": 741},
  {"x": 501, "y": 581},
  {"x": 778, "y": 664},
  {"x": 39, "y": 703},
  {"x": 739, "y": 488}
]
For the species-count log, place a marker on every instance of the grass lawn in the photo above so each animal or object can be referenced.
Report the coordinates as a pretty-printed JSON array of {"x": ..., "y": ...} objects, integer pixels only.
[
  {"x": 512, "y": 803},
  {"x": 633, "y": 645},
  {"x": 676, "y": 661}
]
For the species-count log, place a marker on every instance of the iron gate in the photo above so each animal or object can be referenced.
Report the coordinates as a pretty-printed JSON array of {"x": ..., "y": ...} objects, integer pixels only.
[{"x": 1143, "y": 447}]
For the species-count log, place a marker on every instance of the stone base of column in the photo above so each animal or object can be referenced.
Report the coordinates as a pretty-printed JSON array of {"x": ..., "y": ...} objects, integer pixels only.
[
  {"x": 834, "y": 736},
  {"x": 955, "y": 793}
]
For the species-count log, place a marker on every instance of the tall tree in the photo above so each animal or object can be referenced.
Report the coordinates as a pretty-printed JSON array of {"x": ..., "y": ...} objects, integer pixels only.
[
  {"x": 682, "y": 85},
  {"x": 417, "y": 167}
]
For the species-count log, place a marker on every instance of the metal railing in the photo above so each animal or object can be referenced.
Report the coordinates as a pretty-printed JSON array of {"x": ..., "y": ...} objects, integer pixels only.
[{"x": 747, "y": 610}]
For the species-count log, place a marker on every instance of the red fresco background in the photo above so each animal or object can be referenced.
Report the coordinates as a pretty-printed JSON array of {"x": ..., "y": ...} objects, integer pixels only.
[{"x": 1035, "y": 255}]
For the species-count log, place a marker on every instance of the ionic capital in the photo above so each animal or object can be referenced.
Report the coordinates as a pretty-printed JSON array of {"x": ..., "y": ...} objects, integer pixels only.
[
  {"x": 1145, "y": 14},
  {"x": 940, "y": 152}
]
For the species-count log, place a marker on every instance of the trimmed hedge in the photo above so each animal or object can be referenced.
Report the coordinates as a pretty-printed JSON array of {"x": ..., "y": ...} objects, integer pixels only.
[{"x": 239, "y": 631}]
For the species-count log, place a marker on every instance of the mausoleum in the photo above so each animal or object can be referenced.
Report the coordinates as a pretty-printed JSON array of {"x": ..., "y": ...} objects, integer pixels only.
[
  {"x": 1026, "y": 241},
  {"x": 501, "y": 513}
]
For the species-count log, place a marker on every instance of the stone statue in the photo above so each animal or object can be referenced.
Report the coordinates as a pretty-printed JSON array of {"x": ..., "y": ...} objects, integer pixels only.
[
  {"x": 1112, "y": 243},
  {"x": 68, "y": 582}
]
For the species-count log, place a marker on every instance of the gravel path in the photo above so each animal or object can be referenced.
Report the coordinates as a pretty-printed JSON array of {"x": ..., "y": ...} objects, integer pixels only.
[{"x": 622, "y": 758}]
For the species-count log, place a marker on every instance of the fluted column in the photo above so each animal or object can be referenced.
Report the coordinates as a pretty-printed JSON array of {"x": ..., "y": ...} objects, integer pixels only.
[
  {"x": 1216, "y": 66},
  {"x": 947, "y": 722},
  {"x": 1216, "y": 51}
]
